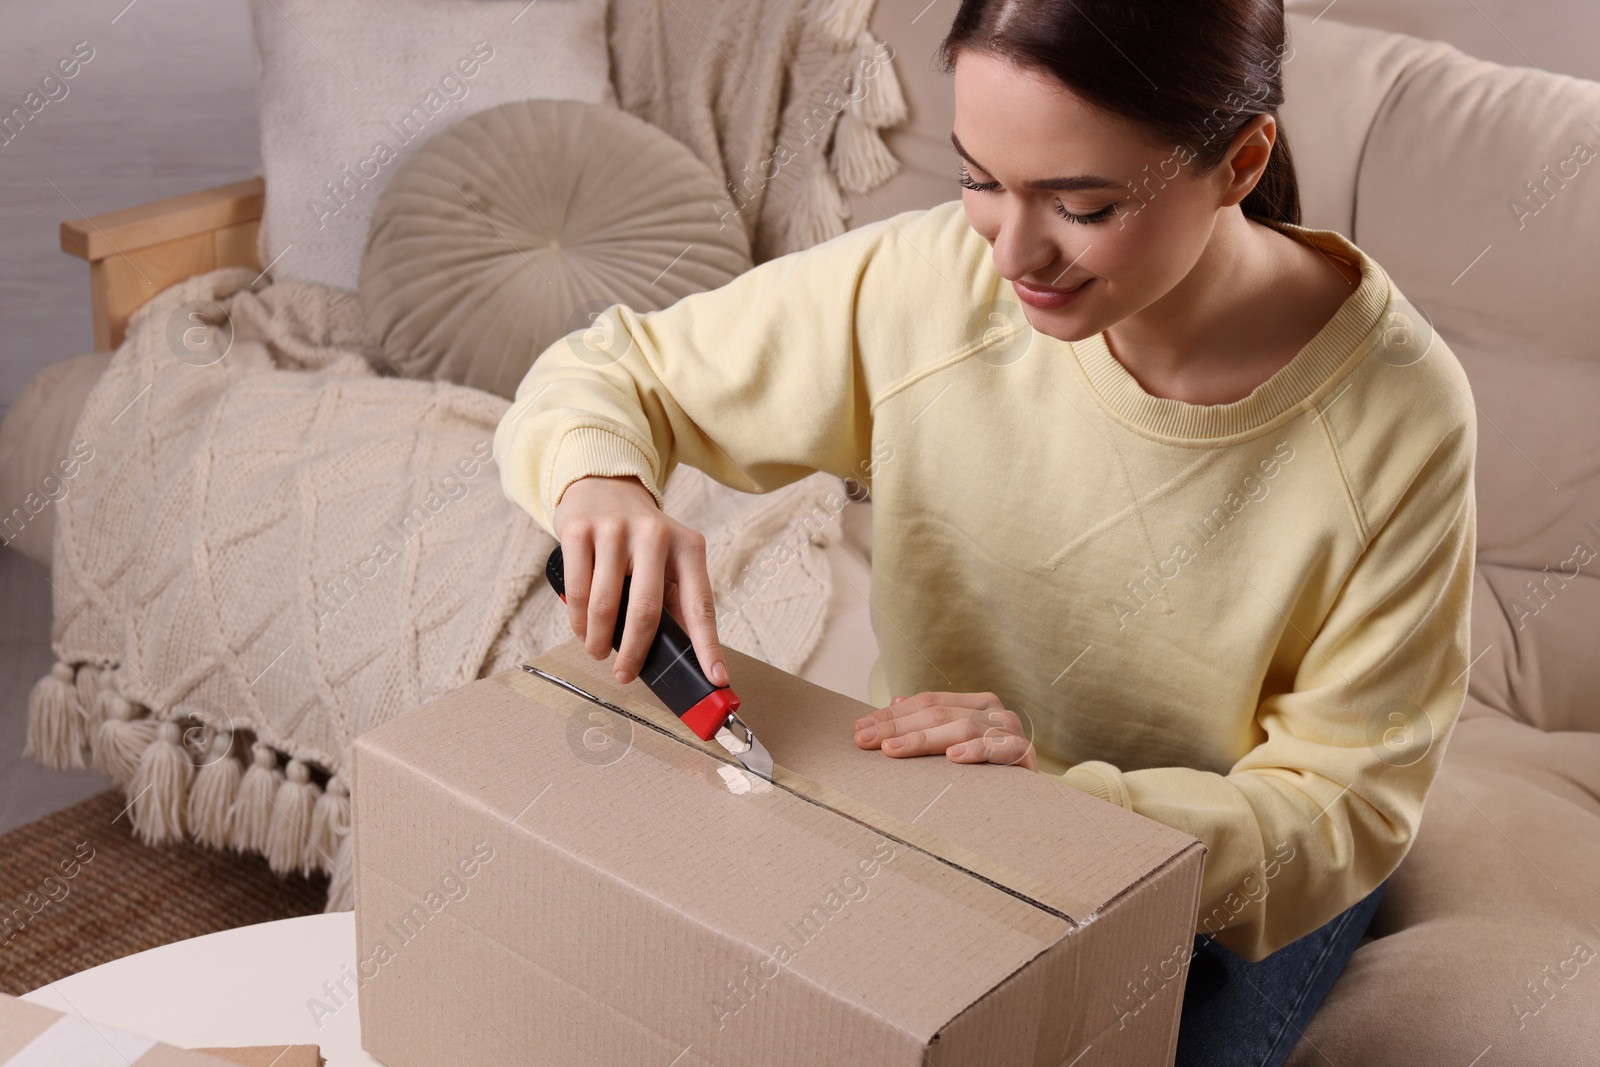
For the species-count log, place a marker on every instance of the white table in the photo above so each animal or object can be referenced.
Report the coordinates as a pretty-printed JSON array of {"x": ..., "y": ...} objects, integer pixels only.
[{"x": 248, "y": 986}]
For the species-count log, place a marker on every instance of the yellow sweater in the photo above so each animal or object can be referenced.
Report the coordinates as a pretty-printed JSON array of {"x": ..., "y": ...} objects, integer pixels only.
[{"x": 1247, "y": 621}]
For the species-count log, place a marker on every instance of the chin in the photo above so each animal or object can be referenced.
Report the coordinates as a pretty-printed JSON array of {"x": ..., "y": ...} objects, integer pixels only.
[{"x": 1064, "y": 325}]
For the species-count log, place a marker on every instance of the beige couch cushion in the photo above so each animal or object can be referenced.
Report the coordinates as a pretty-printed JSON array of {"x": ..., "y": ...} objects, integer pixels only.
[
  {"x": 1445, "y": 200},
  {"x": 1512, "y": 290},
  {"x": 39, "y": 457},
  {"x": 1538, "y": 662},
  {"x": 1426, "y": 153},
  {"x": 1335, "y": 78},
  {"x": 1488, "y": 935}
]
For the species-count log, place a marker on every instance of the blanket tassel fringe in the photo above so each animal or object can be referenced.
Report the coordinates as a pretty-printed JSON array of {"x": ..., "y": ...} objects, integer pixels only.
[
  {"x": 216, "y": 783},
  {"x": 77, "y": 718},
  {"x": 121, "y": 738},
  {"x": 250, "y": 818},
  {"x": 857, "y": 158},
  {"x": 334, "y": 843},
  {"x": 819, "y": 212},
  {"x": 844, "y": 19},
  {"x": 57, "y": 727},
  {"x": 160, "y": 786},
  {"x": 289, "y": 829},
  {"x": 860, "y": 158}
]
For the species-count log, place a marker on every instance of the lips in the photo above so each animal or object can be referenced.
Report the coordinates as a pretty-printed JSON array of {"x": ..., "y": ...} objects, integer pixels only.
[
  {"x": 1049, "y": 299},
  {"x": 1047, "y": 290}
]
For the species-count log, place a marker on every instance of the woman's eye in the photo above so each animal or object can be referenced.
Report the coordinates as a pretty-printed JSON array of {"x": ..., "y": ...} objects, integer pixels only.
[
  {"x": 967, "y": 182},
  {"x": 1099, "y": 216}
]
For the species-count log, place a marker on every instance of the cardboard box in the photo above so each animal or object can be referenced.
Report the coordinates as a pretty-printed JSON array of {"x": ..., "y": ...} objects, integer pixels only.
[
  {"x": 540, "y": 880},
  {"x": 270, "y": 1055},
  {"x": 32, "y": 1035}
]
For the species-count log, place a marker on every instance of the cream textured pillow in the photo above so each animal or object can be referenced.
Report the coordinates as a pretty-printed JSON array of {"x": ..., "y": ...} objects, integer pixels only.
[
  {"x": 518, "y": 225},
  {"x": 347, "y": 91}
]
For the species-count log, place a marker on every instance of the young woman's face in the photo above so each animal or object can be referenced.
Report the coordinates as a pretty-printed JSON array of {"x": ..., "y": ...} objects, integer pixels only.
[{"x": 1121, "y": 217}]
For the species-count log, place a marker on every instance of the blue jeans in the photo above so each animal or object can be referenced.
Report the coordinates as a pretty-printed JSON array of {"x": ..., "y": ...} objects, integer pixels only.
[{"x": 1239, "y": 1014}]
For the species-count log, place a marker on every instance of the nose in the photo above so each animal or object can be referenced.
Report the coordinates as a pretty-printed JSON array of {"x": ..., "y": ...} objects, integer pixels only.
[{"x": 1023, "y": 245}]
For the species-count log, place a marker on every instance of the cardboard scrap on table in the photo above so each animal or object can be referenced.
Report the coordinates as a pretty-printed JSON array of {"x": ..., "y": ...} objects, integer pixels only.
[
  {"x": 32, "y": 1035},
  {"x": 269, "y": 1055},
  {"x": 539, "y": 879}
]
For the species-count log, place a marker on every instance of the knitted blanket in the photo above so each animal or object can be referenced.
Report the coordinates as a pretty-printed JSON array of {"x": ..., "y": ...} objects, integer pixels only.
[
  {"x": 782, "y": 99},
  {"x": 280, "y": 548}
]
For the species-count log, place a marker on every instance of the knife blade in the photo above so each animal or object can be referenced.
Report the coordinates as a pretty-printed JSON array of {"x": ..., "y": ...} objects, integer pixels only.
[{"x": 748, "y": 749}]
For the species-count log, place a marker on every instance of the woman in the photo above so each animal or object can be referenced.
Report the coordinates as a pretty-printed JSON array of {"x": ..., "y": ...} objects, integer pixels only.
[{"x": 1172, "y": 495}]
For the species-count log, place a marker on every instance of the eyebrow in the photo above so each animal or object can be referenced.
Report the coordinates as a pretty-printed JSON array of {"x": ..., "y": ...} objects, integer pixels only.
[{"x": 1071, "y": 184}]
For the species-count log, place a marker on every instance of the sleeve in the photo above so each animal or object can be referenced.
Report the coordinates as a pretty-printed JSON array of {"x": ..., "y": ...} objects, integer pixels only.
[
  {"x": 1311, "y": 820},
  {"x": 757, "y": 383}
]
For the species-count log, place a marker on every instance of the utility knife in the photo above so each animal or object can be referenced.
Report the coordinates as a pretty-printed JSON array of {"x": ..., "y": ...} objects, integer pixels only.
[{"x": 674, "y": 675}]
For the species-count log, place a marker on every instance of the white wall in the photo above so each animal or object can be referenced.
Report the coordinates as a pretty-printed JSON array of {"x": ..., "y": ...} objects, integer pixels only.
[{"x": 167, "y": 105}]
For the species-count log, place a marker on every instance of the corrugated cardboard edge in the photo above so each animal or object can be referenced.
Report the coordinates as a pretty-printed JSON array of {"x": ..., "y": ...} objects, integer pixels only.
[
  {"x": 1195, "y": 854},
  {"x": 660, "y": 719},
  {"x": 1139, "y": 1045},
  {"x": 269, "y": 1055}
]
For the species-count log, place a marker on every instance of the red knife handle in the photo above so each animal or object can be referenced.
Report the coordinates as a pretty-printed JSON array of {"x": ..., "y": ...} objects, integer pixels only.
[{"x": 670, "y": 669}]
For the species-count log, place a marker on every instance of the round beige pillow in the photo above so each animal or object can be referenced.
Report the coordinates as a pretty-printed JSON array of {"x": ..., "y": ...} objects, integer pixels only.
[{"x": 519, "y": 224}]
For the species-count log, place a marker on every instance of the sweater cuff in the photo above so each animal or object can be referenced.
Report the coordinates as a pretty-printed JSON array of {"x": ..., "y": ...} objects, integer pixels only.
[
  {"x": 1097, "y": 778},
  {"x": 591, "y": 451}
]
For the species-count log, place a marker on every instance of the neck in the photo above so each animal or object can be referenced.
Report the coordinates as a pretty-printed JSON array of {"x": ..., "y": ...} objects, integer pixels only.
[{"x": 1165, "y": 338}]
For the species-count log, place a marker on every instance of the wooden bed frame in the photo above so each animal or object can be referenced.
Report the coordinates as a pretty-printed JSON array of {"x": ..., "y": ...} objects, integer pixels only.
[{"x": 136, "y": 252}]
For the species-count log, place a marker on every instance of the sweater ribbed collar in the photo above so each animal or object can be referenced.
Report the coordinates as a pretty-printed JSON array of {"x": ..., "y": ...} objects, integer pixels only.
[{"x": 1312, "y": 366}]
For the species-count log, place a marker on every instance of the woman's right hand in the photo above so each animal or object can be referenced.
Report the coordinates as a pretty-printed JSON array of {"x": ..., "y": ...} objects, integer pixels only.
[{"x": 611, "y": 527}]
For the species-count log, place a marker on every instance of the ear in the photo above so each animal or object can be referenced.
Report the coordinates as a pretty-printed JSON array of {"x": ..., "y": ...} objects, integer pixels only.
[{"x": 1247, "y": 158}]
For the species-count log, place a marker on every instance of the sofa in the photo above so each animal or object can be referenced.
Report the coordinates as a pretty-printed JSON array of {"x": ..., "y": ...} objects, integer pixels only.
[
  {"x": 1475, "y": 186},
  {"x": 1467, "y": 181}
]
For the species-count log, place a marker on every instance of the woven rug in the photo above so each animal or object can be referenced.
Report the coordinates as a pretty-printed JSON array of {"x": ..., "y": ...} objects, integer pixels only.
[{"x": 78, "y": 889}]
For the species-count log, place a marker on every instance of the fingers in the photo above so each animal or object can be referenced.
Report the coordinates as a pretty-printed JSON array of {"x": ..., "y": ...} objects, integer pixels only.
[
  {"x": 699, "y": 605},
  {"x": 967, "y": 727},
  {"x": 922, "y": 737},
  {"x": 610, "y": 528},
  {"x": 577, "y": 568},
  {"x": 901, "y": 706},
  {"x": 605, "y": 589},
  {"x": 646, "y": 589},
  {"x": 996, "y": 746}
]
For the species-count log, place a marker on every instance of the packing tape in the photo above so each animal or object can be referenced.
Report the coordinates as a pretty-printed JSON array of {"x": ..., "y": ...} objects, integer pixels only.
[{"x": 660, "y": 719}]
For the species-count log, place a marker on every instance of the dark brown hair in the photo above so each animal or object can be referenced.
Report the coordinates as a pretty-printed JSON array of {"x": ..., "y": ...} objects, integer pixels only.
[{"x": 1194, "y": 71}]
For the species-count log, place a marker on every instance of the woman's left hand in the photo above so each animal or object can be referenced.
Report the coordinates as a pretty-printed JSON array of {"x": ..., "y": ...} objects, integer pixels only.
[{"x": 966, "y": 727}]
